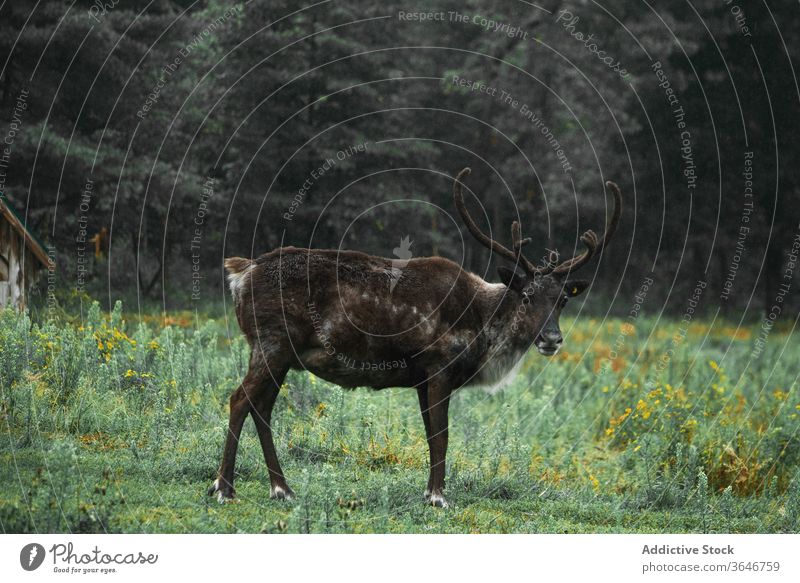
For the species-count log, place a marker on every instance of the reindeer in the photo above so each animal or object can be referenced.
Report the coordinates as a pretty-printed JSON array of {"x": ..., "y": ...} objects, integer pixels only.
[{"x": 319, "y": 310}]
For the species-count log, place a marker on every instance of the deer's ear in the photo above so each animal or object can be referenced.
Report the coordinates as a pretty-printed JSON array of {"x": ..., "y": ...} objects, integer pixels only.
[
  {"x": 576, "y": 288},
  {"x": 512, "y": 278}
]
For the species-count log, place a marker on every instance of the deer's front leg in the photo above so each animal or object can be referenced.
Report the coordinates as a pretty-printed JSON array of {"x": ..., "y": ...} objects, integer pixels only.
[
  {"x": 422, "y": 394},
  {"x": 438, "y": 404}
]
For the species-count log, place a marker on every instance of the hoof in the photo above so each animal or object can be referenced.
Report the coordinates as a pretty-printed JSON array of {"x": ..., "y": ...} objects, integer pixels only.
[
  {"x": 224, "y": 494},
  {"x": 281, "y": 493},
  {"x": 436, "y": 500},
  {"x": 225, "y": 498}
]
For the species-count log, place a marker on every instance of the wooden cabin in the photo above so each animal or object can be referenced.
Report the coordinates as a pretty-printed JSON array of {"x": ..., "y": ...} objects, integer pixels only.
[{"x": 22, "y": 258}]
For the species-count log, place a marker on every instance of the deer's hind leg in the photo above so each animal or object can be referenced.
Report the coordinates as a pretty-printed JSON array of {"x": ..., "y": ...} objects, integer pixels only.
[
  {"x": 261, "y": 411},
  {"x": 259, "y": 388}
]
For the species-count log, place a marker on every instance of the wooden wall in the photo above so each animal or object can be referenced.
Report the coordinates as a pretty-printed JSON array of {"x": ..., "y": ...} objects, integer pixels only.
[{"x": 19, "y": 267}]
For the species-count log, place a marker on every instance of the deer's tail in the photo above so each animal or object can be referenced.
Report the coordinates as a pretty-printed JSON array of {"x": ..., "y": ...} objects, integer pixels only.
[
  {"x": 238, "y": 269},
  {"x": 236, "y": 265}
]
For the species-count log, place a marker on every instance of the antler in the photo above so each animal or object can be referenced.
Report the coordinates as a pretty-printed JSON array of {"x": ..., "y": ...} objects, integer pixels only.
[
  {"x": 589, "y": 238},
  {"x": 517, "y": 242}
]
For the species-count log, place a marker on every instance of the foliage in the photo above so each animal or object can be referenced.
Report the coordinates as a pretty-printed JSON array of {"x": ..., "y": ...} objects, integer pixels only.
[{"x": 265, "y": 94}]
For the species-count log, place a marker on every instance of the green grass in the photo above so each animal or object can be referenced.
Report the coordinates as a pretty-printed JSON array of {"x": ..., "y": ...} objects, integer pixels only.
[{"x": 106, "y": 426}]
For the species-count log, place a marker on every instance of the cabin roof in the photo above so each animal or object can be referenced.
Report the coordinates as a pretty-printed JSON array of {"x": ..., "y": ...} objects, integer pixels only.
[{"x": 32, "y": 242}]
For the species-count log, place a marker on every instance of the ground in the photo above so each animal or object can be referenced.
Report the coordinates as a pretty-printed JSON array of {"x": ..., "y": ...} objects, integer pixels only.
[{"x": 111, "y": 425}]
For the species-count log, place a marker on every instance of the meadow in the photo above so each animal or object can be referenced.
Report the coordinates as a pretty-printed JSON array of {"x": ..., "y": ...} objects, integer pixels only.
[{"x": 116, "y": 424}]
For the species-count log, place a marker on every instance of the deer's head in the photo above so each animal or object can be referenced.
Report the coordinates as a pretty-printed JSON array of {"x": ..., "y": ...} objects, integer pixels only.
[{"x": 539, "y": 292}]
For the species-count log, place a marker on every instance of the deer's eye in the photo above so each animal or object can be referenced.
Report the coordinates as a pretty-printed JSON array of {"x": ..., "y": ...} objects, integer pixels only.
[{"x": 562, "y": 301}]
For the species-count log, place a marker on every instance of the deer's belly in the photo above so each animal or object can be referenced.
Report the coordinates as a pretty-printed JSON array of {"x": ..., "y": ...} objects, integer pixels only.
[{"x": 351, "y": 371}]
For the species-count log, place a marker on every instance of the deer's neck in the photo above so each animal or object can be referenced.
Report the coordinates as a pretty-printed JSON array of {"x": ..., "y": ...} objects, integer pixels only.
[
  {"x": 507, "y": 340},
  {"x": 498, "y": 306}
]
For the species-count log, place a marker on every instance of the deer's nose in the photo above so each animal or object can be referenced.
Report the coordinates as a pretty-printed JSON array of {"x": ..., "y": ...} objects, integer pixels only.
[
  {"x": 548, "y": 342},
  {"x": 551, "y": 337}
]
